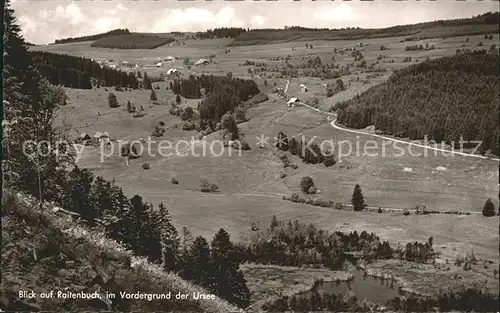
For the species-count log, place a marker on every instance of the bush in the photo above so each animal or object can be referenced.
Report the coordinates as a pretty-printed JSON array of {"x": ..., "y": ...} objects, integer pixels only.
[
  {"x": 406, "y": 212},
  {"x": 174, "y": 181},
  {"x": 312, "y": 190},
  {"x": 187, "y": 114},
  {"x": 305, "y": 183},
  {"x": 379, "y": 210},
  {"x": 339, "y": 206},
  {"x": 188, "y": 126},
  {"x": 214, "y": 188},
  {"x": 146, "y": 166},
  {"x": 205, "y": 185},
  {"x": 112, "y": 101}
]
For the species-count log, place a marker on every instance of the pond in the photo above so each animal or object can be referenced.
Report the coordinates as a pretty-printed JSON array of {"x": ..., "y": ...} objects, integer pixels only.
[{"x": 372, "y": 289}]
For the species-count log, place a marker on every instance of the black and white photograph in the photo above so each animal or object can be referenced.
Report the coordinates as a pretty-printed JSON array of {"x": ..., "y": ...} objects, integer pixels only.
[{"x": 250, "y": 156}]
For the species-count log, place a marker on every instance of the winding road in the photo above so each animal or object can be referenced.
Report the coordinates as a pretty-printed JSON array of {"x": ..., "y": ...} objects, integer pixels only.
[{"x": 354, "y": 131}]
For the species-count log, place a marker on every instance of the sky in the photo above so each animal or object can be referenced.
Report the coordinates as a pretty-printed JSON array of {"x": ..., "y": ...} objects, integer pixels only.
[{"x": 43, "y": 21}]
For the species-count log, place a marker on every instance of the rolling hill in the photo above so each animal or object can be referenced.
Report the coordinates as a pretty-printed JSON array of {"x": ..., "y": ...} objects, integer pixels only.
[
  {"x": 115, "y": 32},
  {"x": 132, "y": 41},
  {"x": 483, "y": 24}
]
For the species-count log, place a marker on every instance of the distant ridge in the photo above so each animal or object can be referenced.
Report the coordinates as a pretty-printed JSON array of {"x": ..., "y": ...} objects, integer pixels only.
[
  {"x": 477, "y": 25},
  {"x": 114, "y": 32}
]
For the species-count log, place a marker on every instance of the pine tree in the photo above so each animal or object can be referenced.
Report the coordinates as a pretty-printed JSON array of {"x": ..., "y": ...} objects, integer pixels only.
[
  {"x": 112, "y": 101},
  {"x": 178, "y": 99},
  {"x": 357, "y": 200},
  {"x": 274, "y": 223},
  {"x": 229, "y": 281},
  {"x": 170, "y": 241},
  {"x": 489, "y": 208},
  {"x": 197, "y": 265}
]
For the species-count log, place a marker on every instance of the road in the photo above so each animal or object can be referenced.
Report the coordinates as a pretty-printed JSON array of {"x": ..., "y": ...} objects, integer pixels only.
[{"x": 354, "y": 131}]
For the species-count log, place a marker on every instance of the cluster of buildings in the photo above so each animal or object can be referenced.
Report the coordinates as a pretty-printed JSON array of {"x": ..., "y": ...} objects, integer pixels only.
[{"x": 96, "y": 138}]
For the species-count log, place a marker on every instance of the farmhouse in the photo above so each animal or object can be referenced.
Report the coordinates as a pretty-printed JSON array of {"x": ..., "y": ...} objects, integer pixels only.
[
  {"x": 202, "y": 62},
  {"x": 159, "y": 64},
  {"x": 169, "y": 58},
  {"x": 303, "y": 88},
  {"x": 84, "y": 136},
  {"x": 172, "y": 71},
  {"x": 292, "y": 102}
]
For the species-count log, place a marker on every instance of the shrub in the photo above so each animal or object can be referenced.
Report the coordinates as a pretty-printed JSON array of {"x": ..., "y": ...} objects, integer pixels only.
[
  {"x": 153, "y": 97},
  {"x": 188, "y": 126},
  {"x": 174, "y": 181},
  {"x": 282, "y": 174},
  {"x": 379, "y": 210},
  {"x": 305, "y": 183},
  {"x": 146, "y": 166},
  {"x": 187, "y": 113},
  {"x": 240, "y": 115},
  {"x": 406, "y": 212},
  {"x": 339, "y": 206},
  {"x": 295, "y": 197},
  {"x": 214, "y": 188},
  {"x": 312, "y": 190},
  {"x": 205, "y": 185}
]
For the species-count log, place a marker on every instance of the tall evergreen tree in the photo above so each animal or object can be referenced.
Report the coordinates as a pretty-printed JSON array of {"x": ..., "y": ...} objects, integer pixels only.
[
  {"x": 170, "y": 241},
  {"x": 357, "y": 199},
  {"x": 112, "y": 101},
  {"x": 489, "y": 208},
  {"x": 229, "y": 281}
]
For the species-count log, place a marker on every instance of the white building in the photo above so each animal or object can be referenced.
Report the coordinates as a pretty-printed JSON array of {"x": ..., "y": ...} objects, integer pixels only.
[
  {"x": 303, "y": 88},
  {"x": 202, "y": 62},
  {"x": 172, "y": 71},
  {"x": 292, "y": 102},
  {"x": 159, "y": 64}
]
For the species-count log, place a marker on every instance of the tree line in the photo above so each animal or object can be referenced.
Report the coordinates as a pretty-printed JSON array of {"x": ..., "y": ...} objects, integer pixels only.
[
  {"x": 443, "y": 28},
  {"x": 308, "y": 152},
  {"x": 298, "y": 244},
  {"x": 30, "y": 103},
  {"x": 80, "y": 73},
  {"x": 222, "y": 32},
  {"x": 444, "y": 99},
  {"x": 114, "y": 32}
]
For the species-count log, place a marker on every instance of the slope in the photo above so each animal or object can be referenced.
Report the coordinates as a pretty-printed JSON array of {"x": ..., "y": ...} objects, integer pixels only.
[{"x": 44, "y": 251}]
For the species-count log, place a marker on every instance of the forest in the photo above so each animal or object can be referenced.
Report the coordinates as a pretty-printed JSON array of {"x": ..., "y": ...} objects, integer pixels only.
[
  {"x": 443, "y": 99},
  {"x": 132, "y": 41},
  {"x": 223, "y": 32},
  {"x": 486, "y": 23},
  {"x": 114, "y": 32},
  {"x": 222, "y": 93},
  {"x": 80, "y": 73}
]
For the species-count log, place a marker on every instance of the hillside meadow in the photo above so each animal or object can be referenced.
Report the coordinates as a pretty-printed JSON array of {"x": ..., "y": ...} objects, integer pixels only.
[{"x": 250, "y": 187}]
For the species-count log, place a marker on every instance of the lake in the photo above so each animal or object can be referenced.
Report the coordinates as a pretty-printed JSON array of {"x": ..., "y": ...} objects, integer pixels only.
[{"x": 372, "y": 289}]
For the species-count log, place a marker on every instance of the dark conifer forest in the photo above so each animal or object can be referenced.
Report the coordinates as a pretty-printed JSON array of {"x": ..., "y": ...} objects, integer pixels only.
[
  {"x": 223, "y": 32},
  {"x": 445, "y": 99},
  {"x": 80, "y": 73},
  {"x": 222, "y": 93},
  {"x": 132, "y": 41}
]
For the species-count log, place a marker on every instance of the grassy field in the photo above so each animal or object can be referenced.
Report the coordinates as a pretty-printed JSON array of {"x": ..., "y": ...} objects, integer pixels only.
[{"x": 250, "y": 185}]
